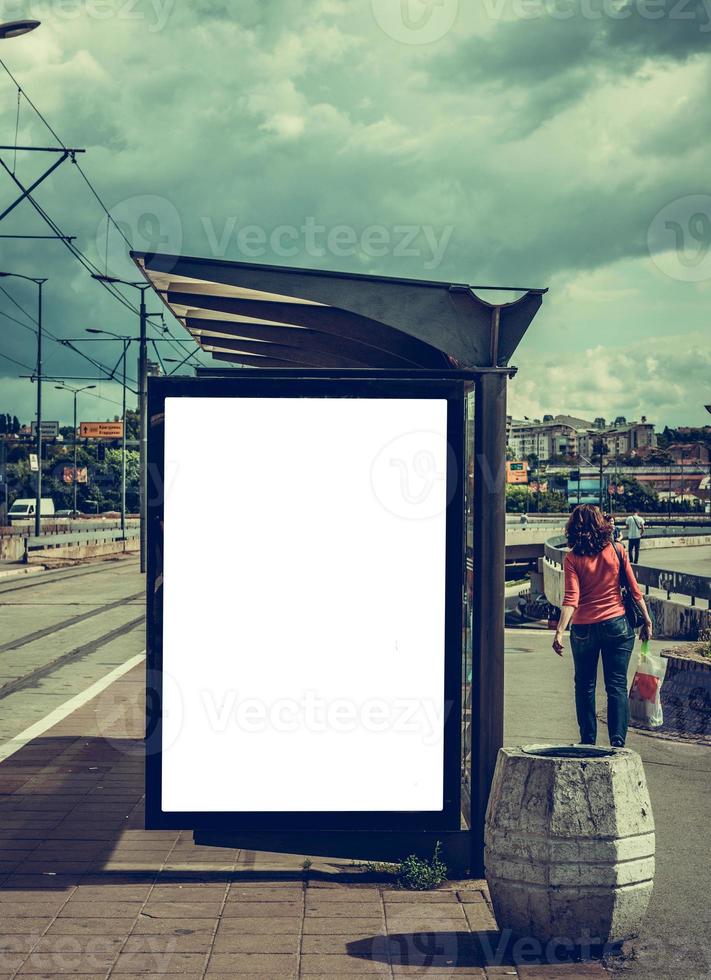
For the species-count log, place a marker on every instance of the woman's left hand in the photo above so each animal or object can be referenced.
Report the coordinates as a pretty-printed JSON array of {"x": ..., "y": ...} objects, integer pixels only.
[{"x": 558, "y": 642}]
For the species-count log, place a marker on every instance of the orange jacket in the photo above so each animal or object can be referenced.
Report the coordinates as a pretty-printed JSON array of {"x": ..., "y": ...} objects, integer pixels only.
[{"x": 592, "y": 584}]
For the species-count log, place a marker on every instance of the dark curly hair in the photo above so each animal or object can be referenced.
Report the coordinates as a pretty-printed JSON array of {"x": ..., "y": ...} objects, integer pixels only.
[{"x": 588, "y": 530}]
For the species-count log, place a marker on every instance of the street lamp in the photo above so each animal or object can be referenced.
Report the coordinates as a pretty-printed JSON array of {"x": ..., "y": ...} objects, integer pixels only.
[
  {"x": 14, "y": 28},
  {"x": 125, "y": 341},
  {"x": 142, "y": 399},
  {"x": 75, "y": 392},
  {"x": 39, "y": 282}
]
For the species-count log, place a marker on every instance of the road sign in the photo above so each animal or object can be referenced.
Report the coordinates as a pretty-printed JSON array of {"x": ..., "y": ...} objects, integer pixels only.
[
  {"x": 33, "y": 462},
  {"x": 50, "y": 430},
  {"x": 101, "y": 430}
]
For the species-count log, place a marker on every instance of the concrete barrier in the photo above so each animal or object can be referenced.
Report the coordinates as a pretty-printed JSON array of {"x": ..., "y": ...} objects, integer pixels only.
[
  {"x": 569, "y": 844},
  {"x": 672, "y": 619}
]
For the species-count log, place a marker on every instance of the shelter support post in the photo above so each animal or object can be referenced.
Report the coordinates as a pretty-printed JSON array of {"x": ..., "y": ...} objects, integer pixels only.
[{"x": 489, "y": 577}]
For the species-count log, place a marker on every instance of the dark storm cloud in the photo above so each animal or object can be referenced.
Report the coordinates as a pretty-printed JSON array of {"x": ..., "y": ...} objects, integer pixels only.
[{"x": 554, "y": 51}]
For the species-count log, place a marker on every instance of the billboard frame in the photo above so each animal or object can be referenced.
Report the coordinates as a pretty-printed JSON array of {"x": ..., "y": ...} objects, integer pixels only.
[{"x": 452, "y": 386}]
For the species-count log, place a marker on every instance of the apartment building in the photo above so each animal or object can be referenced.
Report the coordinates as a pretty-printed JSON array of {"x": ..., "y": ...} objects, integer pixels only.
[{"x": 567, "y": 435}]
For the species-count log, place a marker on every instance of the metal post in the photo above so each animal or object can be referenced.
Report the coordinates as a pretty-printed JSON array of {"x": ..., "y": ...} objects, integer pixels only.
[
  {"x": 4, "y": 481},
  {"x": 143, "y": 435},
  {"x": 123, "y": 443},
  {"x": 669, "y": 496},
  {"x": 38, "y": 498},
  {"x": 74, "y": 479},
  {"x": 489, "y": 582}
]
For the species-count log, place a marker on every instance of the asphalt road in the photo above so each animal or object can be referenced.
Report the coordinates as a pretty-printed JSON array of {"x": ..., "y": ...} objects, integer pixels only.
[
  {"x": 675, "y": 943},
  {"x": 694, "y": 559}
]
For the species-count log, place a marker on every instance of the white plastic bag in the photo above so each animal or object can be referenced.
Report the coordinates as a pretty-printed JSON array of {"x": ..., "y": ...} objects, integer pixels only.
[{"x": 645, "y": 693}]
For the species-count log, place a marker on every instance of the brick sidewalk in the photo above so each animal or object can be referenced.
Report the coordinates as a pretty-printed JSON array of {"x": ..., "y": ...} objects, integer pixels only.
[{"x": 87, "y": 892}]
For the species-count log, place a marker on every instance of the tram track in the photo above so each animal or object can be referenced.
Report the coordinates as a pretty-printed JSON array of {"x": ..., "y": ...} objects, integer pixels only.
[
  {"x": 21, "y": 641},
  {"x": 72, "y": 656},
  {"x": 76, "y": 627}
]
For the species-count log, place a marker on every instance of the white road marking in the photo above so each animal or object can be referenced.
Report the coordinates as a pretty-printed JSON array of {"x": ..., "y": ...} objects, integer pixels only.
[{"x": 59, "y": 714}]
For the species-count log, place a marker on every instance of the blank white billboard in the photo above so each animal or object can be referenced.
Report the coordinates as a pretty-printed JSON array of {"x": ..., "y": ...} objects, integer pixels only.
[{"x": 304, "y": 604}]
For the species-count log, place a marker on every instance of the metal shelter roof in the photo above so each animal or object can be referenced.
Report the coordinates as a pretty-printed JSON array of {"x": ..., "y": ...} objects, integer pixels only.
[{"x": 278, "y": 316}]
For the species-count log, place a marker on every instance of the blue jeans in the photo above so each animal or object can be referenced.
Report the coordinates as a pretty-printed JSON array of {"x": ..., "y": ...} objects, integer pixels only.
[{"x": 614, "y": 639}]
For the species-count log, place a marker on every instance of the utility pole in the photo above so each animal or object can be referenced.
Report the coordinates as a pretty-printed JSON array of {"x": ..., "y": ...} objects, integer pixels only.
[
  {"x": 38, "y": 498},
  {"x": 143, "y": 426},
  {"x": 75, "y": 392},
  {"x": 39, "y": 282},
  {"x": 142, "y": 404},
  {"x": 126, "y": 342}
]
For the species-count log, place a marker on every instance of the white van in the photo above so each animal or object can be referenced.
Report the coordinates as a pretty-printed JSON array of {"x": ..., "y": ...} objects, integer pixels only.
[{"x": 23, "y": 509}]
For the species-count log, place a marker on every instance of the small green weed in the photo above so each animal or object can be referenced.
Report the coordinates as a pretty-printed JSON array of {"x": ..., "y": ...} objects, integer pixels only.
[{"x": 414, "y": 873}]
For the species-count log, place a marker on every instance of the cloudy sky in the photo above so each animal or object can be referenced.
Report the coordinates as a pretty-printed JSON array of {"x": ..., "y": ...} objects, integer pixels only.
[{"x": 560, "y": 143}]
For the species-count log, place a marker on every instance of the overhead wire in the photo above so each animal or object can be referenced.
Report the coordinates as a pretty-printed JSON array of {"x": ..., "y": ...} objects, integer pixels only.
[{"x": 112, "y": 288}]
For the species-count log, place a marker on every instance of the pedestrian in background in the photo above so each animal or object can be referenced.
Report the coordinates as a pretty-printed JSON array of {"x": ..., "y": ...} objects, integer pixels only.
[
  {"x": 635, "y": 530},
  {"x": 593, "y": 600}
]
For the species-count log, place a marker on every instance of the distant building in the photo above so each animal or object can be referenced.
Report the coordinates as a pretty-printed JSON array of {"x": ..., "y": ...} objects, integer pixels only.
[
  {"x": 688, "y": 452},
  {"x": 567, "y": 435}
]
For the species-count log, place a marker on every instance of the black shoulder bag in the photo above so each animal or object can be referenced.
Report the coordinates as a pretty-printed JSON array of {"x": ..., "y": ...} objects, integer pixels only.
[{"x": 633, "y": 610}]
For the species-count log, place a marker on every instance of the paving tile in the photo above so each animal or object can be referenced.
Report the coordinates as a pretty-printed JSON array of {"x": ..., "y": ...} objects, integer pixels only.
[
  {"x": 99, "y": 910},
  {"x": 199, "y": 941},
  {"x": 260, "y": 926},
  {"x": 343, "y": 893},
  {"x": 68, "y": 964},
  {"x": 227, "y": 942},
  {"x": 438, "y": 971},
  {"x": 34, "y": 910},
  {"x": 329, "y": 965},
  {"x": 470, "y": 895},
  {"x": 564, "y": 971},
  {"x": 159, "y": 963},
  {"x": 91, "y": 927},
  {"x": 362, "y": 910},
  {"x": 479, "y": 917},
  {"x": 338, "y": 925},
  {"x": 274, "y": 909},
  {"x": 240, "y": 893},
  {"x": 16, "y": 943},
  {"x": 25, "y": 925},
  {"x": 400, "y": 896},
  {"x": 181, "y": 910},
  {"x": 235, "y": 964},
  {"x": 341, "y": 944},
  {"x": 145, "y": 926},
  {"x": 85, "y": 945}
]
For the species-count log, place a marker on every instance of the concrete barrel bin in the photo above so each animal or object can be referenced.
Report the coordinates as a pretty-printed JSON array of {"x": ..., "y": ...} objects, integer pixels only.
[{"x": 569, "y": 848}]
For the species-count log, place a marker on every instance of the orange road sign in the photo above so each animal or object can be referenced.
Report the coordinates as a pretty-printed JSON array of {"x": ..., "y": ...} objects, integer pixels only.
[{"x": 101, "y": 430}]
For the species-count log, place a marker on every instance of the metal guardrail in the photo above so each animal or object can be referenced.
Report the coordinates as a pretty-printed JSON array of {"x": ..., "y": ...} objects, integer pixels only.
[
  {"x": 679, "y": 583},
  {"x": 43, "y": 542}
]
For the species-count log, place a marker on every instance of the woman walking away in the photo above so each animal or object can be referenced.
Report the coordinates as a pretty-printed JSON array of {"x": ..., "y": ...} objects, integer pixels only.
[{"x": 593, "y": 569}]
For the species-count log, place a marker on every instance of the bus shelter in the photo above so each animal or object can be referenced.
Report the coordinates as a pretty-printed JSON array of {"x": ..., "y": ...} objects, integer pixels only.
[{"x": 326, "y": 542}]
